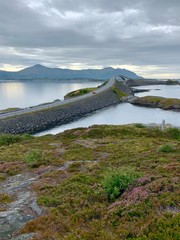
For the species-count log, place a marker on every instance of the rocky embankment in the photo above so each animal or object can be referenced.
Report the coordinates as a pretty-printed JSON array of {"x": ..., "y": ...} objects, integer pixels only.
[
  {"x": 157, "y": 102},
  {"x": 43, "y": 119}
]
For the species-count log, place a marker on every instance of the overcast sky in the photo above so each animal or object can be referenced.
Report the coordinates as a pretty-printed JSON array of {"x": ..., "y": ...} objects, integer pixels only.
[{"x": 140, "y": 35}]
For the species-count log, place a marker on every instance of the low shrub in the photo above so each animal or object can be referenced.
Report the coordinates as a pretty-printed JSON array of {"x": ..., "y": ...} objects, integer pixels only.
[
  {"x": 79, "y": 92},
  {"x": 166, "y": 148},
  {"x": 174, "y": 133},
  {"x": 4, "y": 198},
  {"x": 115, "y": 182},
  {"x": 34, "y": 158},
  {"x": 7, "y": 139},
  {"x": 139, "y": 125},
  {"x": 119, "y": 93}
]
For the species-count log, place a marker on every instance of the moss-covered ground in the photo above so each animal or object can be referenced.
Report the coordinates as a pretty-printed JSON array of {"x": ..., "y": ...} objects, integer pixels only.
[
  {"x": 83, "y": 91},
  {"x": 79, "y": 92},
  {"x": 9, "y": 110},
  {"x": 73, "y": 194}
]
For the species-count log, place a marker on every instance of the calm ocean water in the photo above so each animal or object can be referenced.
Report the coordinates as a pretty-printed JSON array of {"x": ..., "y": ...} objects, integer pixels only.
[
  {"x": 161, "y": 90},
  {"x": 29, "y": 93}
]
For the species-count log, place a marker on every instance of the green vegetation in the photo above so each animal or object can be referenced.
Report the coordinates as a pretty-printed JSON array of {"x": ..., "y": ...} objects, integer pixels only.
[
  {"x": 139, "y": 125},
  {"x": 34, "y": 158},
  {"x": 153, "y": 101},
  {"x": 116, "y": 182},
  {"x": 171, "y": 82},
  {"x": 83, "y": 91},
  {"x": 120, "y": 94},
  {"x": 79, "y": 92},
  {"x": 4, "y": 198},
  {"x": 102, "y": 183},
  {"x": 166, "y": 148},
  {"x": 174, "y": 132},
  {"x": 104, "y": 83},
  {"x": 9, "y": 110},
  {"x": 7, "y": 139}
]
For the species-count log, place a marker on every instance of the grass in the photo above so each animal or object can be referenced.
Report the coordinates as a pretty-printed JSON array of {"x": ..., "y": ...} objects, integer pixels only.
[
  {"x": 34, "y": 158},
  {"x": 4, "y": 198},
  {"x": 166, "y": 148},
  {"x": 9, "y": 110},
  {"x": 118, "y": 185},
  {"x": 139, "y": 125},
  {"x": 79, "y": 92},
  {"x": 7, "y": 139},
  {"x": 174, "y": 132},
  {"x": 83, "y": 91},
  {"x": 153, "y": 101},
  {"x": 120, "y": 94}
]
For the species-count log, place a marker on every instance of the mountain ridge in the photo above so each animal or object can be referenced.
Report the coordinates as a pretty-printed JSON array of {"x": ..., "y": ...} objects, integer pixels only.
[{"x": 42, "y": 72}]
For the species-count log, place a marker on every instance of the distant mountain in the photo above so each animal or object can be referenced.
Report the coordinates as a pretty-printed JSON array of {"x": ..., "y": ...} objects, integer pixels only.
[{"x": 41, "y": 72}]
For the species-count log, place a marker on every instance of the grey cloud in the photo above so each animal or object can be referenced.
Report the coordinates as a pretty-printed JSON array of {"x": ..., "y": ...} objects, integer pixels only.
[{"x": 126, "y": 32}]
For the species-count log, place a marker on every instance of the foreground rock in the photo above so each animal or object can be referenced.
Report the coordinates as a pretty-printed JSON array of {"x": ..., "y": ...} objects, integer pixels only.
[{"x": 23, "y": 207}]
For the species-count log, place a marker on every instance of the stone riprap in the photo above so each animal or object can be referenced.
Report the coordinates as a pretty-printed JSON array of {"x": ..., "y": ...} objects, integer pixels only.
[{"x": 37, "y": 121}]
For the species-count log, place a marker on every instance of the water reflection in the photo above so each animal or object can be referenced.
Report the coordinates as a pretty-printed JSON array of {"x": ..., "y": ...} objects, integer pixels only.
[
  {"x": 12, "y": 91},
  {"x": 29, "y": 93}
]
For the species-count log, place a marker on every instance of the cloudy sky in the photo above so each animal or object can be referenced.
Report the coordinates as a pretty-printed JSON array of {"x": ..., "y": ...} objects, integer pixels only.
[{"x": 140, "y": 35}]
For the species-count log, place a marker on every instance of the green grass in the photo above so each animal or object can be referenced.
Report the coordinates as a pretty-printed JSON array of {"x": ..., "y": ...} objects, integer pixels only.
[
  {"x": 139, "y": 125},
  {"x": 173, "y": 132},
  {"x": 166, "y": 148},
  {"x": 34, "y": 158},
  {"x": 9, "y": 110},
  {"x": 79, "y": 92},
  {"x": 4, "y": 198},
  {"x": 120, "y": 94},
  {"x": 7, "y": 139},
  {"x": 164, "y": 103}
]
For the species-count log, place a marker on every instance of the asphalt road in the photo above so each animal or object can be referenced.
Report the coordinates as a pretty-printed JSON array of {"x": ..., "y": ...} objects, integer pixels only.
[{"x": 56, "y": 103}]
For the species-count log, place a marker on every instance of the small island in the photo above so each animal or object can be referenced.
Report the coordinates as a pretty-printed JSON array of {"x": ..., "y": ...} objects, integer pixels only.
[{"x": 159, "y": 102}]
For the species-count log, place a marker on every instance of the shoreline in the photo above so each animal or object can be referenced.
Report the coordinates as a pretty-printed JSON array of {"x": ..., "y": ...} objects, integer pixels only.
[{"x": 46, "y": 116}]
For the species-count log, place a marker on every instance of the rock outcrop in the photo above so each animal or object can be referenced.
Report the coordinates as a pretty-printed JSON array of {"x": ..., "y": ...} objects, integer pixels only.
[{"x": 159, "y": 102}]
